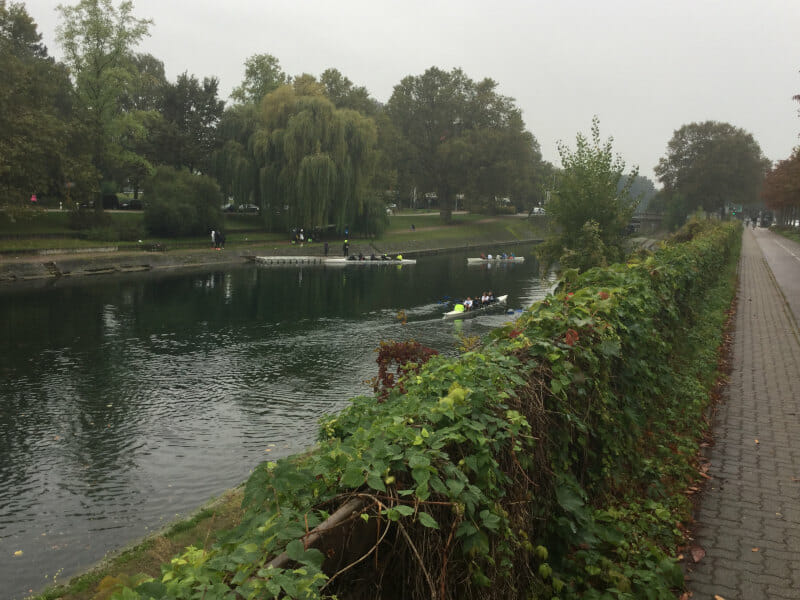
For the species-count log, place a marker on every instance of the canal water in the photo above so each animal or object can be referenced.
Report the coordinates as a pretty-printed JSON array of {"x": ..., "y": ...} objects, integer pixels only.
[{"x": 128, "y": 401}]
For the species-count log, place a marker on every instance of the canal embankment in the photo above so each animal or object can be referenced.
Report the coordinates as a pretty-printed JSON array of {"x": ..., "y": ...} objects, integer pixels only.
[
  {"x": 554, "y": 460},
  {"x": 54, "y": 263},
  {"x": 134, "y": 398}
]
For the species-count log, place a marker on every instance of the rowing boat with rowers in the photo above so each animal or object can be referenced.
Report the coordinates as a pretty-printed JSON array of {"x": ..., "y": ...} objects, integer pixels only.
[
  {"x": 369, "y": 261},
  {"x": 460, "y": 313},
  {"x": 332, "y": 261},
  {"x": 496, "y": 259}
]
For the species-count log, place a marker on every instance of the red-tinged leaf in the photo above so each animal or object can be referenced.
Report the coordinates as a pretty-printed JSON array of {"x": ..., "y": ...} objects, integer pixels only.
[
  {"x": 698, "y": 553},
  {"x": 571, "y": 337}
]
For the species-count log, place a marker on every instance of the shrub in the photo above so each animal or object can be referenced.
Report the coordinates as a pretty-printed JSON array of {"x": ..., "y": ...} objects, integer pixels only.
[{"x": 180, "y": 203}]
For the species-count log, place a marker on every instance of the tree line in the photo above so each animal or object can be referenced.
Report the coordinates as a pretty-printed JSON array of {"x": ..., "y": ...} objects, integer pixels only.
[
  {"x": 781, "y": 191},
  {"x": 316, "y": 152},
  {"x": 308, "y": 151}
]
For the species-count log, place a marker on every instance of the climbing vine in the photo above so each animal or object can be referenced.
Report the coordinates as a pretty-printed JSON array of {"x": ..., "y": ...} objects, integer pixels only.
[{"x": 545, "y": 463}]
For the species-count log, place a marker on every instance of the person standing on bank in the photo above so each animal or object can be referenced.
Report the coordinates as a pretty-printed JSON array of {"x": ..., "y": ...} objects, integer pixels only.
[
  {"x": 326, "y": 248},
  {"x": 346, "y": 248}
]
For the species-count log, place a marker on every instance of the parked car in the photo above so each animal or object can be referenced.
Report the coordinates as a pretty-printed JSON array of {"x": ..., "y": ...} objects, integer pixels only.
[
  {"x": 249, "y": 208},
  {"x": 132, "y": 204}
]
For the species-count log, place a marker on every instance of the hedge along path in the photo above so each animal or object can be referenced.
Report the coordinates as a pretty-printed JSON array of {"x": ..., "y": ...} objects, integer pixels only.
[{"x": 543, "y": 464}]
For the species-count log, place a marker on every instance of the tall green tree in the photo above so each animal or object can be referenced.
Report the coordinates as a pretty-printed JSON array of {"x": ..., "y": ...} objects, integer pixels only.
[
  {"x": 305, "y": 162},
  {"x": 262, "y": 74},
  {"x": 34, "y": 111},
  {"x": 459, "y": 136},
  {"x": 344, "y": 94},
  {"x": 781, "y": 191},
  {"x": 145, "y": 89},
  {"x": 142, "y": 103},
  {"x": 710, "y": 164},
  {"x": 233, "y": 164},
  {"x": 592, "y": 205},
  {"x": 98, "y": 39},
  {"x": 191, "y": 112}
]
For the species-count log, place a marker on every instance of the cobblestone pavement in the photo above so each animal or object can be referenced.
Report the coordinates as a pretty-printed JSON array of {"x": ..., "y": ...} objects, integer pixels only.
[{"x": 749, "y": 517}]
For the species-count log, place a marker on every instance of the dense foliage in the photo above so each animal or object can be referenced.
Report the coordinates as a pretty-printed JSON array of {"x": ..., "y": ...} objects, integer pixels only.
[
  {"x": 302, "y": 160},
  {"x": 98, "y": 39},
  {"x": 37, "y": 143},
  {"x": 709, "y": 165},
  {"x": 459, "y": 136},
  {"x": 592, "y": 205},
  {"x": 544, "y": 464},
  {"x": 781, "y": 192},
  {"x": 181, "y": 203}
]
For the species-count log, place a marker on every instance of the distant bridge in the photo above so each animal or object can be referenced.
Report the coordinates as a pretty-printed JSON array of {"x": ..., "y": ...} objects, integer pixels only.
[{"x": 648, "y": 222}]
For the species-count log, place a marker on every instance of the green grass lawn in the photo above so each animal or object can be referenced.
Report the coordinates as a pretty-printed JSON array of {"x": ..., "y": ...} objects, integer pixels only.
[
  {"x": 40, "y": 230},
  {"x": 792, "y": 233}
]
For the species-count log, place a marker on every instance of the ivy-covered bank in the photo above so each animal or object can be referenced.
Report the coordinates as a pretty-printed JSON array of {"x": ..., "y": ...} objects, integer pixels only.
[{"x": 548, "y": 463}]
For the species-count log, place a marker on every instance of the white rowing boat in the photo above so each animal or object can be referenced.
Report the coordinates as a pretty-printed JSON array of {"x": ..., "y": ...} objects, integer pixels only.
[
  {"x": 510, "y": 259},
  {"x": 468, "y": 314},
  {"x": 367, "y": 261},
  {"x": 324, "y": 260}
]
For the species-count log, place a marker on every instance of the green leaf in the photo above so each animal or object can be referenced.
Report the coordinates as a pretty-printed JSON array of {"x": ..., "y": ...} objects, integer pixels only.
[
  {"x": 375, "y": 481},
  {"x": 568, "y": 499},
  {"x": 295, "y": 550},
  {"x": 456, "y": 487},
  {"x": 610, "y": 347},
  {"x": 404, "y": 509},
  {"x": 427, "y": 521},
  {"x": 490, "y": 520},
  {"x": 437, "y": 485},
  {"x": 418, "y": 460},
  {"x": 421, "y": 476}
]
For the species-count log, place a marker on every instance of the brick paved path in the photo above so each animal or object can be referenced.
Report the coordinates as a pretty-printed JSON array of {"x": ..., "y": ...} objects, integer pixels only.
[{"x": 749, "y": 517}]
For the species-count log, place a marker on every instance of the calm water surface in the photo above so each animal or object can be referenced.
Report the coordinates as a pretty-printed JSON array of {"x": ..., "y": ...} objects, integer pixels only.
[{"x": 125, "y": 402}]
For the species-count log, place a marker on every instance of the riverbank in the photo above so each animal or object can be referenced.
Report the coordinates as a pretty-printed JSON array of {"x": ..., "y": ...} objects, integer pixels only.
[
  {"x": 144, "y": 557},
  {"x": 55, "y": 263},
  {"x": 159, "y": 545},
  {"x": 149, "y": 325},
  {"x": 648, "y": 528}
]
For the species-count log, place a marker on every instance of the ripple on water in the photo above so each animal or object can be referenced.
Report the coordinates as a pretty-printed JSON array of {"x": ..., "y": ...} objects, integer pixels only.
[{"x": 158, "y": 394}]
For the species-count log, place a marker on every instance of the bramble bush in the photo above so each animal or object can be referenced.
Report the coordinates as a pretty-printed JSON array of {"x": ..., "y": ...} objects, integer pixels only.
[{"x": 548, "y": 463}]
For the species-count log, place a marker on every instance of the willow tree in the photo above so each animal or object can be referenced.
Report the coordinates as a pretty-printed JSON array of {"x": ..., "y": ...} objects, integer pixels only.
[{"x": 314, "y": 162}]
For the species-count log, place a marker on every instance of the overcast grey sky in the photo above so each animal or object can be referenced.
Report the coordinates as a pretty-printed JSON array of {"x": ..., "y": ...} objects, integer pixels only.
[{"x": 645, "y": 68}]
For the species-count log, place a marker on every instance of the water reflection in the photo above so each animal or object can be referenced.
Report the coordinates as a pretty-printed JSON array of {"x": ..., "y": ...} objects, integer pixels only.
[{"x": 126, "y": 400}]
